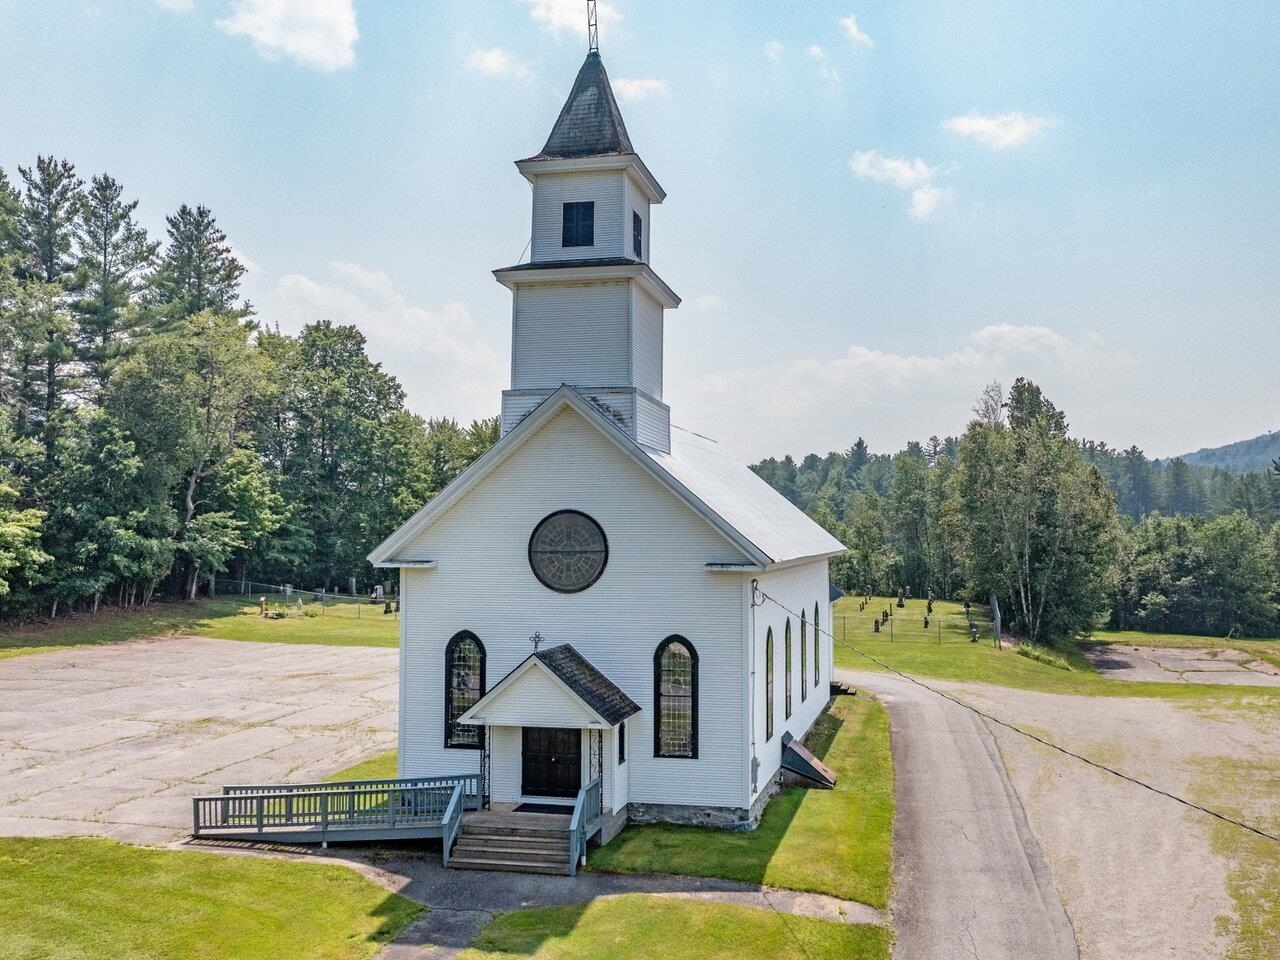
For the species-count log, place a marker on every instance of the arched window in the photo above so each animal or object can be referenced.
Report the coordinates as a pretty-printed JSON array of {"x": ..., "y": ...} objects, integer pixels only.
[
  {"x": 804, "y": 657},
  {"x": 463, "y": 687},
  {"x": 786, "y": 669},
  {"x": 817, "y": 646},
  {"x": 675, "y": 697},
  {"x": 768, "y": 685}
]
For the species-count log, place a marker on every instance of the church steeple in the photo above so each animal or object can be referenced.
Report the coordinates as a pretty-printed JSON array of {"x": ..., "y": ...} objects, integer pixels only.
[
  {"x": 590, "y": 125},
  {"x": 588, "y": 308}
]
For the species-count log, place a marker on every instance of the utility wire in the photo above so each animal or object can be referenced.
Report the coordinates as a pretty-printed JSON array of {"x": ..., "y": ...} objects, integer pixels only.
[{"x": 1031, "y": 736}]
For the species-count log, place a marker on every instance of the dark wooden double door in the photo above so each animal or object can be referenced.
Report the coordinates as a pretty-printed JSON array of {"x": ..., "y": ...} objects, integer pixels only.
[{"x": 551, "y": 762}]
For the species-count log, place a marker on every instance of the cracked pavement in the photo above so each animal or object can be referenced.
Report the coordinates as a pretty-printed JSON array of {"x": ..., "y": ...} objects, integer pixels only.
[{"x": 114, "y": 741}]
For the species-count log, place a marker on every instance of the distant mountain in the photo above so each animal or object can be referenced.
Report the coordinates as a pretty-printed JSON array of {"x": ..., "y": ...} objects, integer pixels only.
[{"x": 1256, "y": 454}]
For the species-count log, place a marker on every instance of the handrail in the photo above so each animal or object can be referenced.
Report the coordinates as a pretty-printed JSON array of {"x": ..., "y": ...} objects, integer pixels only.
[
  {"x": 335, "y": 785},
  {"x": 587, "y": 808},
  {"x": 452, "y": 822}
]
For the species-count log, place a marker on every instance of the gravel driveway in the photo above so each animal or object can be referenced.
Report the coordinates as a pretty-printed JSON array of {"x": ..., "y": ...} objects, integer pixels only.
[
  {"x": 114, "y": 741},
  {"x": 1176, "y": 665},
  {"x": 969, "y": 878},
  {"x": 1143, "y": 877}
]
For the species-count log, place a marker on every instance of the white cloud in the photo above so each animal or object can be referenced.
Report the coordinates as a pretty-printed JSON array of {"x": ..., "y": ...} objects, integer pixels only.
[
  {"x": 913, "y": 175},
  {"x": 850, "y": 24},
  {"x": 251, "y": 267},
  {"x": 999, "y": 133},
  {"x": 890, "y": 398},
  {"x": 708, "y": 302},
  {"x": 497, "y": 62},
  {"x": 571, "y": 15},
  {"x": 926, "y": 200},
  {"x": 773, "y": 50},
  {"x": 446, "y": 367},
  {"x": 901, "y": 172},
  {"x": 828, "y": 72},
  {"x": 315, "y": 33},
  {"x": 632, "y": 90},
  {"x": 177, "y": 6}
]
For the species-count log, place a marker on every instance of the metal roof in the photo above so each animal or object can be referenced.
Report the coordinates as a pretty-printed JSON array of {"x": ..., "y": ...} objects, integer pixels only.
[
  {"x": 590, "y": 124},
  {"x": 590, "y": 685},
  {"x": 776, "y": 526}
]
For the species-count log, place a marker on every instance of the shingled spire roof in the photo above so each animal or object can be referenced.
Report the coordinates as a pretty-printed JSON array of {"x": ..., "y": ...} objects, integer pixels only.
[{"x": 590, "y": 125}]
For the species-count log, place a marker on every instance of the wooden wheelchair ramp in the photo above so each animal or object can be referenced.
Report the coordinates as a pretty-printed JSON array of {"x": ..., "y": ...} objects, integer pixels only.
[{"x": 350, "y": 812}]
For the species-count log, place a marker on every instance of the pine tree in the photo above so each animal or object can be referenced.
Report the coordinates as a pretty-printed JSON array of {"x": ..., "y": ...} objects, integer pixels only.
[
  {"x": 46, "y": 235},
  {"x": 114, "y": 258},
  {"x": 198, "y": 271}
]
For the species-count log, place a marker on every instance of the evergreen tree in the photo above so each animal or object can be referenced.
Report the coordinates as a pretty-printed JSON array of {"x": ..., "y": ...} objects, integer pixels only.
[
  {"x": 114, "y": 258},
  {"x": 198, "y": 272}
]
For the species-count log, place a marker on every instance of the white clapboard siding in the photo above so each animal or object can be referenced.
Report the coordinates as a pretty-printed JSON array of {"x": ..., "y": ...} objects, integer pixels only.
[
  {"x": 551, "y": 191},
  {"x": 653, "y": 424},
  {"x": 797, "y": 588},
  {"x": 619, "y": 795},
  {"x": 656, "y": 584},
  {"x": 572, "y": 333},
  {"x": 636, "y": 202},
  {"x": 646, "y": 334}
]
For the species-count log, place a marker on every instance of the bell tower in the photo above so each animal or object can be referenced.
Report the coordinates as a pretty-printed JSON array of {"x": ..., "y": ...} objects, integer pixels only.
[{"x": 588, "y": 309}]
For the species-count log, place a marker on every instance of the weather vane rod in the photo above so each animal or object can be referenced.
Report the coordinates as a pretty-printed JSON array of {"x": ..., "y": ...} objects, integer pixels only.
[{"x": 593, "y": 27}]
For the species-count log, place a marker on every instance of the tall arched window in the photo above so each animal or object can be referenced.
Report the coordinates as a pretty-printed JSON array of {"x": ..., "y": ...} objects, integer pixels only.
[
  {"x": 817, "y": 646},
  {"x": 786, "y": 669},
  {"x": 768, "y": 685},
  {"x": 675, "y": 697},
  {"x": 804, "y": 657},
  {"x": 463, "y": 687}
]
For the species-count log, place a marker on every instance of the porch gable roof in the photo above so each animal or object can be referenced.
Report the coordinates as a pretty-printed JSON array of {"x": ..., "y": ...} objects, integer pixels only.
[{"x": 572, "y": 675}]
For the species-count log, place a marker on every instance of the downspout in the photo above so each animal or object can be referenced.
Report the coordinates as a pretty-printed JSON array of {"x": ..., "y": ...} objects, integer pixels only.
[{"x": 751, "y": 693}]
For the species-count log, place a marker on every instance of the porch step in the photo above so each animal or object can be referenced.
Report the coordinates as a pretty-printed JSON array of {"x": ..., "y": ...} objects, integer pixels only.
[
  {"x": 512, "y": 846},
  {"x": 839, "y": 689},
  {"x": 510, "y": 866}
]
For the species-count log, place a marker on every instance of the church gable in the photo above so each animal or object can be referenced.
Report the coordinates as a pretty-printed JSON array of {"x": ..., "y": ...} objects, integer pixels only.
[{"x": 568, "y": 457}]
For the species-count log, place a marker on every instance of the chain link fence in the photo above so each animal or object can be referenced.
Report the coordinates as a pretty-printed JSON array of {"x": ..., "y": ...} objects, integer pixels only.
[
  {"x": 278, "y": 601},
  {"x": 859, "y": 619}
]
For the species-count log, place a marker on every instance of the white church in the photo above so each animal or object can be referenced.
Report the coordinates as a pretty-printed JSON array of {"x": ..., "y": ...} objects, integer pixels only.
[{"x": 577, "y": 607}]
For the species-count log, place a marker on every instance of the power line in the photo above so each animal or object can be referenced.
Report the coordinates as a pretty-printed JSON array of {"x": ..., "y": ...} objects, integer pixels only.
[{"x": 1031, "y": 736}]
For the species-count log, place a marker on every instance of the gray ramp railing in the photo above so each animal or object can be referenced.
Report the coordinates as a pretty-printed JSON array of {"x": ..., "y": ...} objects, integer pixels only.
[{"x": 363, "y": 810}]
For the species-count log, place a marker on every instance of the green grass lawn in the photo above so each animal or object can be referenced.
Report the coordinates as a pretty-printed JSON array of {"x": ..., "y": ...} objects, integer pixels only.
[
  {"x": 358, "y": 625},
  {"x": 91, "y": 899},
  {"x": 851, "y": 825},
  {"x": 381, "y": 767},
  {"x": 984, "y": 663},
  {"x": 638, "y": 927}
]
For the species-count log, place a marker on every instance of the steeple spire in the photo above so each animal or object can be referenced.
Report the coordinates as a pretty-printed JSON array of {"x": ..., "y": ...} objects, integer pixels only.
[
  {"x": 593, "y": 27},
  {"x": 590, "y": 125}
]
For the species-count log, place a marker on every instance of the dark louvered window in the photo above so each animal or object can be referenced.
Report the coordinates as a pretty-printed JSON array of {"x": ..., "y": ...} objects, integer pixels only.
[
  {"x": 622, "y": 743},
  {"x": 786, "y": 667},
  {"x": 637, "y": 234},
  {"x": 768, "y": 685},
  {"x": 579, "y": 224},
  {"x": 804, "y": 657},
  {"x": 675, "y": 682},
  {"x": 463, "y": 687}
]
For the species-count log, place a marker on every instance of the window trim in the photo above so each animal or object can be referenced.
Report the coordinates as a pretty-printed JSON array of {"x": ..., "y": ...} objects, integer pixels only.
[
  {"x": 456, "y": 640},
  {"x": 817, "y": 650},
  {"x": 637, "y": 234},
  {"x": 657, "y": 699},
  {"x": 768, "y": 685},
  {"x": 787, "y": 674},
  {"x": 804, "y": 656},
  {"x": 573, "y": 227}
]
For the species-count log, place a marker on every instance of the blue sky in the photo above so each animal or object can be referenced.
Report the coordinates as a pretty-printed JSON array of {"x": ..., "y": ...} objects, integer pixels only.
[{"x": 875, "y": 207}]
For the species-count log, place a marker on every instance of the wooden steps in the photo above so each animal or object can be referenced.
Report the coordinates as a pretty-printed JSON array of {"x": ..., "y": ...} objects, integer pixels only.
[
  {"x": 489, "y": 844},
  {"x": 839, "y": 689}
]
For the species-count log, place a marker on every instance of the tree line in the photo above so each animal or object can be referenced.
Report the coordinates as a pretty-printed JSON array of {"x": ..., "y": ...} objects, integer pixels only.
[
  {"x": 154, "y": 434},
  {"x": 1066, "y": 534}
]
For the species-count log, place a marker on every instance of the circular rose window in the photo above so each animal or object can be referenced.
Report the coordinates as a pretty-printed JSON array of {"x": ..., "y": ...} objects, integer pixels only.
[{"x": 568, "y": 551}]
